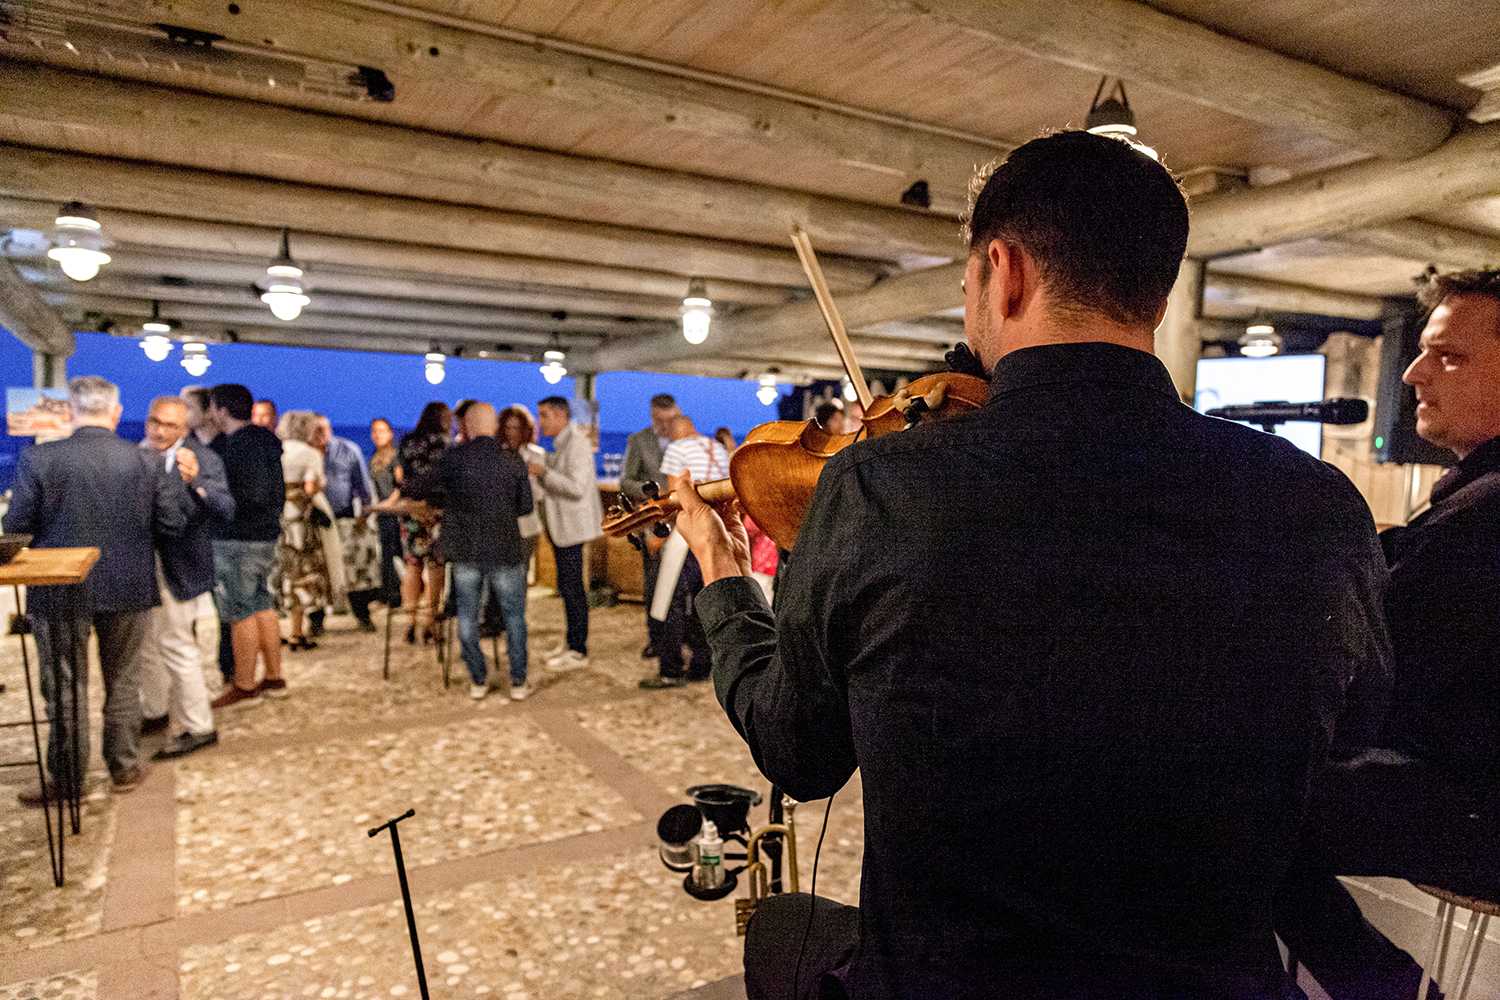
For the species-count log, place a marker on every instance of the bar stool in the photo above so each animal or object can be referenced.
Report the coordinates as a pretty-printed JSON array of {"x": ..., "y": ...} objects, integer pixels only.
[{"x": 1449, "y": 903}]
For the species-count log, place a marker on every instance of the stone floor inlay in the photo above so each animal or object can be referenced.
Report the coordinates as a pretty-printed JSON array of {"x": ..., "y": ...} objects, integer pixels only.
[
  {"x": 33, "y": 912},
  {"x": 621, "y": 927},
  {"x": 252, "y": 826},
  {"x": 67, "y": 986}
]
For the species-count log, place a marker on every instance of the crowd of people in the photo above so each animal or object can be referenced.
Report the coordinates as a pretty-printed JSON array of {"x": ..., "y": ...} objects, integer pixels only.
[{"x": 231, "y": 517}]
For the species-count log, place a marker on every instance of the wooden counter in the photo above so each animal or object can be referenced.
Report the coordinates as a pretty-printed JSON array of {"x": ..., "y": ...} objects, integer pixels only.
[{"x": 48, "y": 567}]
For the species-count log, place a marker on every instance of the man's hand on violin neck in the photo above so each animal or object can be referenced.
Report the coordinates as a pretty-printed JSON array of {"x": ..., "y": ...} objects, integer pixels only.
[{"x": 715, "y": 534}]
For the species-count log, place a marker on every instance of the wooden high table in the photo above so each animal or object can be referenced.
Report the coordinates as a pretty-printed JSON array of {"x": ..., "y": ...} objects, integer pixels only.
[{"x": 50, "y": 568}]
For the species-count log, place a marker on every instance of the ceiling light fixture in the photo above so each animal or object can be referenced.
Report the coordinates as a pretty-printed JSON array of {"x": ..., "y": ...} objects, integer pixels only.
[
  {"x": 697, "y": 312},
  {"x": 768, "y": 393},
  {"x": 1260, "y": 340},
  {"x": 435, "y": 368},
  {"x": 286, "y": 295},
  {"x": 195, "y": 358},
  {"x": 78, "y": 241},
  {"x": 1112, "y": 116},
  {"x": 156, "y": 324},
  {"x": 552, "y": 368}
]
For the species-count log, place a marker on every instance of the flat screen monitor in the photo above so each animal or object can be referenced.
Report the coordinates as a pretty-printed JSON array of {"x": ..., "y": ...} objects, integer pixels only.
[{"x": 1294, "y": 378}]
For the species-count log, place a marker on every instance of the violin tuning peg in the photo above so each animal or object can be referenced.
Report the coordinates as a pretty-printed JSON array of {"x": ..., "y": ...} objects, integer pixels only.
[
  {"x": 660, "y": 530},
  {"x": 625, "y": 503},
  {"x": 636, "y": 543},
  {"x": 651, "y": 490}
]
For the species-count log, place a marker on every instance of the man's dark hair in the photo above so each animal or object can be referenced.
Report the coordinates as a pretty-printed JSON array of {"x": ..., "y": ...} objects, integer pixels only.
[
  {"x": 1436, "y": 287},
  {"x": 662, "y": 401},
  {"x": 1106, "y": 224},
  {"x": 462, "y": 408},
  {"x": 232, "y": 398},
  {"x": 825, "y": 410},
  {"x": 557, "y": 403}
]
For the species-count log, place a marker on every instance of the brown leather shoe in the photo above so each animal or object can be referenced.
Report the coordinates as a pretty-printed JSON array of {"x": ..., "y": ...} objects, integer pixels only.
[
  {"x": 236, "y": 695},
  {"x": 273, "y": 687},
  {"x": 31, "y": 795},
  {"x": 129, "y": 781}
]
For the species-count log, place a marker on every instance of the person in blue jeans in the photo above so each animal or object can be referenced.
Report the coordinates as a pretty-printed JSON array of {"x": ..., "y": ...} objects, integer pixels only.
[{"x": 482, "y": 488}]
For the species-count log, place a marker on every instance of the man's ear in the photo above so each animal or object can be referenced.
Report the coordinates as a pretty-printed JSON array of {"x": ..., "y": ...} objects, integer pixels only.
[{"x": 1013, "y": 277}]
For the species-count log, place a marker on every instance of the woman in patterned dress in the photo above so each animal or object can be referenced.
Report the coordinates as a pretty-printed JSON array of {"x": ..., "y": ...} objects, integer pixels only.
[
  {"x": 304, "y": 576},
  {"x": 416, "y": 462}
]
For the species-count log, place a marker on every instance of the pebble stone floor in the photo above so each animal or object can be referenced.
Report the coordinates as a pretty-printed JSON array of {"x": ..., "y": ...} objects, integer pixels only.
[{"x": 245, "y": 871}]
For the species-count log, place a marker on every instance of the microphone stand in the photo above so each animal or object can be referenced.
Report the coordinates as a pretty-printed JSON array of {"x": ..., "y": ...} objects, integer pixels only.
[{"x": 411, "y": 919}]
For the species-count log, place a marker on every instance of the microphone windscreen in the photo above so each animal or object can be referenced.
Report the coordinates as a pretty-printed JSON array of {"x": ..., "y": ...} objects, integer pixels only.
[{"x": 1346, "y": 411}]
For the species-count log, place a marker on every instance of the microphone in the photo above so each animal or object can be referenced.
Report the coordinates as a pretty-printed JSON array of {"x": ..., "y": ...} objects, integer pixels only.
[{"x": 1328, "y": 411}]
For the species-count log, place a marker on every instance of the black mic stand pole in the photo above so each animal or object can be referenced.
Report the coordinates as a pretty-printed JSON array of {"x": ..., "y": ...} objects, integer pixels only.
[{"x": 411, "y": 919}]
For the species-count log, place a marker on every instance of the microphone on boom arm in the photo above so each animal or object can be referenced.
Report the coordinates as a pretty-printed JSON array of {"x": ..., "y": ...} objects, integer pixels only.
[{"x": 1268, "y": 415}]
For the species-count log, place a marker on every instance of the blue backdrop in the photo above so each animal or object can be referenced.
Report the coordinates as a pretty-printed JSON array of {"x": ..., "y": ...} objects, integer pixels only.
[{"x": 354, "y": 387}]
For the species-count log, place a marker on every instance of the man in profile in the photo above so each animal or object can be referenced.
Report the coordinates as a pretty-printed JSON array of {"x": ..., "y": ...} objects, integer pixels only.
[
  {"x": 1423, "y": 802},
  {"x": 642, "y": 465},
  {"x": 263, "y": 414},
  {"x": 1084, "y": 669}
]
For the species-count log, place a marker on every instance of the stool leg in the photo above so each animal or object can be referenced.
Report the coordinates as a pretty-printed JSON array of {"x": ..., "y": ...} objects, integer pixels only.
[
  {"x": 1478, "y": 924},
  {"x": 1442, "y": 920}
]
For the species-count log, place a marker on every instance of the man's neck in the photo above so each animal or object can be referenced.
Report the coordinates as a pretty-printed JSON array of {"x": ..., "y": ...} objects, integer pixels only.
[
  {"x": 1074, "y": 328},
  {"x": 103, "y": 425}
]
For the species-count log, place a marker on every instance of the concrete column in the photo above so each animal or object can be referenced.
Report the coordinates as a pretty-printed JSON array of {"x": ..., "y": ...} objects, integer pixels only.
[
  {"x": 1178, "y": 340},
  {"x": 49, "y": 371}
]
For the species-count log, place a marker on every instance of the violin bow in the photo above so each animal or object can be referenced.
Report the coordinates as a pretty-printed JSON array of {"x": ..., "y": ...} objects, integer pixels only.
[{"x": 831, "y": 316}]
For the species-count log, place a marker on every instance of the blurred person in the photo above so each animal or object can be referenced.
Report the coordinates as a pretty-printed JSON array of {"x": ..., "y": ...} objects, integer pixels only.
[
  {"x": 483, "y": 490},
  {"x": 830, "y": 416},
  {"x": 94, "y": 489},
  {"x": 350, "y": 494},
  {"x": 642, "y": 464},
  {"x": 311, "y": 571},
  {"x": 416, "y": 459},
  {"x": 726, "y": 438},
  {"x": 245, "y": 546},
  {"x": 173, "y": 695},
  {"x": 854, "y": 417},
  {"x": 518, "y": 434},
  {"x": 383, "y": 478},
  {"x": 264, "y": 414},
  {"x": 200, "y": 421},
  {"x": 574, "y": 513},
  {"x": 706, "y": 459}
]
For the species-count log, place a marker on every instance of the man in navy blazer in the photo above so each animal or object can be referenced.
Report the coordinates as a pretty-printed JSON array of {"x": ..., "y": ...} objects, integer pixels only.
[
  {"x": 173, "y": 693},
  {"x": 95, "y": 489}
]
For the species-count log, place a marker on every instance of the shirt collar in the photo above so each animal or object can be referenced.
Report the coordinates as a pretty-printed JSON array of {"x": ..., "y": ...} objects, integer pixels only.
[
  {"x": 1482, "y": 460},
  {"x": 1061, "y": 364}
]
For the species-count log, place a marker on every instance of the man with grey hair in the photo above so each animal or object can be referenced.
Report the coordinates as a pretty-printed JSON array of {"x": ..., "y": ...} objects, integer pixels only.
[
  {"x": 172, "y": 690},
  {"x": 95, "y": 489}
]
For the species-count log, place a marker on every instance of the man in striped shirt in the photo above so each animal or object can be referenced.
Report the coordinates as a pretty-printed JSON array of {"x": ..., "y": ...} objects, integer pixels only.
[{"x": 707, "y": 460}]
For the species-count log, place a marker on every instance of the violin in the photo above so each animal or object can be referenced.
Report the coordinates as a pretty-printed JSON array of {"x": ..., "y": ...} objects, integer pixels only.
[{"x": 775, "y": 470}]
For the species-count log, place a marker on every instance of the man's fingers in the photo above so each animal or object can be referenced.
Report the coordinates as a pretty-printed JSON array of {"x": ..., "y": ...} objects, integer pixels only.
[{"x": 682, "y": 488}]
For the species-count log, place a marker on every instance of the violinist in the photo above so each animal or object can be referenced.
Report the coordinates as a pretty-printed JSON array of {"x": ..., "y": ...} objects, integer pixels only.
[{"x": 1084, "y": 645}]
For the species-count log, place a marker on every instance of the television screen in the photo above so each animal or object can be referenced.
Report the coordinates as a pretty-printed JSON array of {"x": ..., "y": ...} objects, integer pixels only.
[{"x": 1293, "y": 378}]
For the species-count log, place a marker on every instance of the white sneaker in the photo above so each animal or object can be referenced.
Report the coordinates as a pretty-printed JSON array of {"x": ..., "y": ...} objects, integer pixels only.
[
  {"x": 567, "y": 660},
  {"x": 478, "y": 691},
  {"x": 522, "y": 692},
  {"x": 553, "y": 648}
]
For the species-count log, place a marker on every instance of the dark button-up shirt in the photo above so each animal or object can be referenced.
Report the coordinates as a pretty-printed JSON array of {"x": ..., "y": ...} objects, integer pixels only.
[
  {"x": 252, "y": 463},
  {"x": 187, "y": 562},
  {"x": 1085, "y": 646},
  {"x": 482, "y": 489},
  {"x": 1444, "y": 610},
  {"x": 348, "y": 477}
]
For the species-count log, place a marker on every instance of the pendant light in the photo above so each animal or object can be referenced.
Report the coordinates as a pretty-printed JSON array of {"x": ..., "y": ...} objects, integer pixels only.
[
  {"x": 552, "y": 368},
  {"x": 697, "y": 312},
  {"x": 195, "y": 358},
  {"x": 155, "y": 341},
  {"x": 1260, "y": 340},
  {"x": 78, "y": 241},
  {"x": 767, "y": 393},
  {"x": 435, "y": 368},
  {"x": 1112, "y": 116},
  {"x": 286, "y": 295}
]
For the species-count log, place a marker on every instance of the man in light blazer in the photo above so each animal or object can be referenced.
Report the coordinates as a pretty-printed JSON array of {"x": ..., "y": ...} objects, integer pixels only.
[
  {"x": 643, "y": 453},
  {"x": 574, "y": 513}
]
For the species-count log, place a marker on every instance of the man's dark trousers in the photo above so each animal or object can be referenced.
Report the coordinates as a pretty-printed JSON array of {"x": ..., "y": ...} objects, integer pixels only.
[
  {"x": 64, "y": 644},
  {"x": 682, "y": 626},
  {"x": 650, "y": 571}
]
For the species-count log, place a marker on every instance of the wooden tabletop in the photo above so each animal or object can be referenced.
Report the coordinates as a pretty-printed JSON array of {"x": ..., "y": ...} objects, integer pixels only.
[{"x": 48, "y": 567}]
